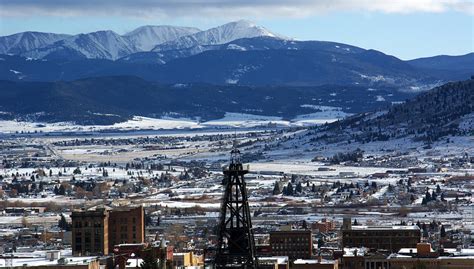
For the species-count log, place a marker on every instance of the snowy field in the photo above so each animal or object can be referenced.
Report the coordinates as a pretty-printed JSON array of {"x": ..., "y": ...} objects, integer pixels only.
[{"x": 230, "y": 120}]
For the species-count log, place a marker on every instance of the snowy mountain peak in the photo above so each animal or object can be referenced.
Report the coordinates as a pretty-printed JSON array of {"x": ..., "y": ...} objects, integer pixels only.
[
  {"x": 247, "y": 29},
  {"x": 96, "y": 45},
  {"x": 147, "y": 37},
  {"x": 101, "y": 44},
  {"x": 218, "y": 35},
  {"x": 25, "y": 41},
  {"x": 107, "y": 44}
]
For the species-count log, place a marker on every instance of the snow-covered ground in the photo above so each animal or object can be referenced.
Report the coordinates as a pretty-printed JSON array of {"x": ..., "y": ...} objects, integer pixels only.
[
  {"x": 230, "y": 120},
  {"x": 245, "y": 120},
  {"x": 137, "y": 123}
]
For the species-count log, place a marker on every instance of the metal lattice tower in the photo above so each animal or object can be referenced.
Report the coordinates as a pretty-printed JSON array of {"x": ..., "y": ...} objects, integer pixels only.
[{"x": 236, "y": 246}]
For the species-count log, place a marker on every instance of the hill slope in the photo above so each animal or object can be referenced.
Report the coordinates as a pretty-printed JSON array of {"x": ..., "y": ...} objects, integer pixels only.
[
  {"x": 442, "y": 111},
  {"x": 447, "y": 67},
  {"x": 252, "y": 61},
  {"x": 114, "y": 99}
]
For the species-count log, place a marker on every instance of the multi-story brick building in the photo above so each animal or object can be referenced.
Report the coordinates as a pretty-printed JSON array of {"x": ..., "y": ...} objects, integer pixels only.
[
  {"x": 96, "y": 232},
  {"x": 323, "y": 226},
  {"x": 90, "y": 232},
  {"x": 126, "y": 225},
  {"x": 391, "y": 238},
  {"x": 296, "y": 244}
]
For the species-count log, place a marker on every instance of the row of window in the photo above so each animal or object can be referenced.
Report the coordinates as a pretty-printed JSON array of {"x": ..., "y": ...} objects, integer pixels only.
[{"x": 291, "y": 240}]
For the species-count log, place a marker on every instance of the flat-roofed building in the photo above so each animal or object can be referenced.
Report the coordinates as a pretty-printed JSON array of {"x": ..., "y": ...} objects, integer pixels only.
[
  {"x": 296, "y": 244},
  {"x": 277, "y": 262},
  {"x": 391, "y": 238},
  {"x": 315, "y": 264},
  {"x": 96, "y": 232},
  {"x": 126, "y": 225},
  {"x": 90, "y": 232}
]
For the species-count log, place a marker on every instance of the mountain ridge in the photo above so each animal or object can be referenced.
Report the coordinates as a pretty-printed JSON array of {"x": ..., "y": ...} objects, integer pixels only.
[
  {"x": 106, "y": 44},
  {"x": 218, "y": 35},
  {"x": 86, "y": 101},
  {"x": 442, "y": 111}
]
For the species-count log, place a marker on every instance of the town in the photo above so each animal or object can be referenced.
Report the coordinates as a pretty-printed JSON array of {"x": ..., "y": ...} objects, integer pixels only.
[{"x": 132, "y": 200}]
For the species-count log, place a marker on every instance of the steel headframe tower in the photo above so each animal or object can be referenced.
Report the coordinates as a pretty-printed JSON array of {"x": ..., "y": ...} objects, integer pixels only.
[{"x": 236, "y": 246}]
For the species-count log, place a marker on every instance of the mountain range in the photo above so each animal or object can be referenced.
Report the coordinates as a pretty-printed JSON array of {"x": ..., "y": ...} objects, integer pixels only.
[
  {"x": 109, "y": 45},
  {"x": 103, "y": 77},
  {"x": 239, "y": 52}
]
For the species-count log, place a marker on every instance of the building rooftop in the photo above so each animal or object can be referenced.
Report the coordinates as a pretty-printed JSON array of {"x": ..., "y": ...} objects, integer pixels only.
[
  {"x": 301, "y": 261},
  {"x": 42, "y": 261},
  {"x": 385, "y": 228},
  {"x": 352, "y": 252},
  {"x": 277, "y": 259}
]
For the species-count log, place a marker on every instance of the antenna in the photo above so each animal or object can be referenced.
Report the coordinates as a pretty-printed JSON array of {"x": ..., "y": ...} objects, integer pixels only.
[{"x": 235, "y": 142}]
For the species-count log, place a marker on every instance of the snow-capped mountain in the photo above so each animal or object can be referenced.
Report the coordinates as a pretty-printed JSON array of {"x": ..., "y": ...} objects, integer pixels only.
[
  {"x": 234, "y": 53},
  {"x": 147, "y": 37},
  {"x": 218, "y": 35},
  {"x": 95, "y": 45},
  {"x": 21, "y": 42},
  {"x": 110, "y": 45},
  {"x": 244, "y": 44}
]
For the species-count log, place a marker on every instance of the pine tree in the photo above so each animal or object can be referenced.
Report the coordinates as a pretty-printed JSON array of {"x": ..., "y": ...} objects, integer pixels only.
[
  {"x": 423, "y": 201},
  {"x": 443, "y": 231},
  {"x": 61, "y": 190},
  {"x": 320, "y": 242},
  {"x": 289, "y": 189},
  {"x": 427, "y": 196},
  {"x": 299, "y": 188},
  {"x": 63, "y": 223},
  {"x": 293, "y": 178},
  {"x": 77, "y": 171},
  {"x": 276, "y": 188},
  {"x": 374, "y": 185}
]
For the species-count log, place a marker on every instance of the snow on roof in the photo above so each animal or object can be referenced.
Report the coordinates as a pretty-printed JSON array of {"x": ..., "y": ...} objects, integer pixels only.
[
  {"x": 395, "y": 227},
  {"x": 133, "y": 263},
  {"x": 301, "y": 261},
  {"x": 42, "y": 261},
  {"x": 278, "y": 259}
]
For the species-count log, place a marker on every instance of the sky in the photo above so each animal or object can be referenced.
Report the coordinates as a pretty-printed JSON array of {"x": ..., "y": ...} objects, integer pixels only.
[{"x": 406, "y": 29}]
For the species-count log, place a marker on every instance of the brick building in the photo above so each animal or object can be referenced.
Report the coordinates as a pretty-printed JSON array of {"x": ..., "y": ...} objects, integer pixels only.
[
  {"x": 96, "y": 232},
  {"x": 90, "y": 232},
  {"x": 126, "y": 225},
  {"x": 296, "y": 244},
  {"x": 323, "y": 226},
  {"x": 391, "y": 238}
]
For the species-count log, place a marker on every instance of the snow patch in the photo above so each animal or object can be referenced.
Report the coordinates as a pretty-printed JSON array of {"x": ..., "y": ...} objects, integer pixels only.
[
  {"x": 15, "y": 71},
  {"x": 235, "y": 47}
]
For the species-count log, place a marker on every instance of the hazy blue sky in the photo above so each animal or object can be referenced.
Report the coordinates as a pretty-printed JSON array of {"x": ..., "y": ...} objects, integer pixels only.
[{"x": 403, "y": 28}]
